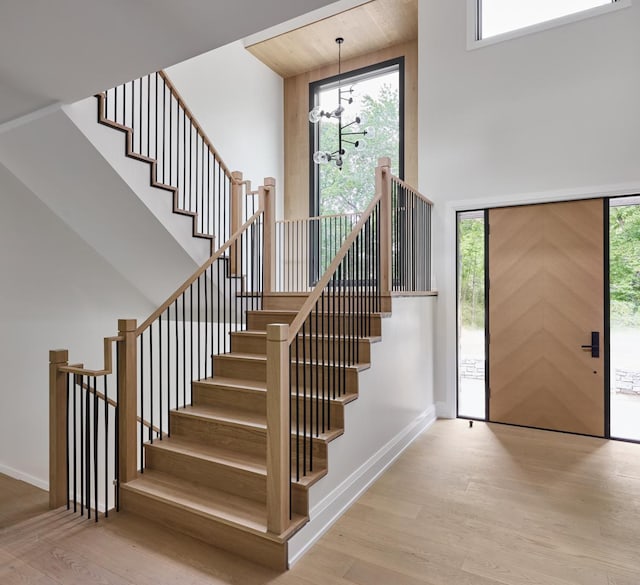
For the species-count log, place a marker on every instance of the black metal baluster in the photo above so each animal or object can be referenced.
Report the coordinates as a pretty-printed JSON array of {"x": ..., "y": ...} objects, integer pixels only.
[
  {"x": 177, "y": 351},
  {"x": 151, "y": 392},
  {"x": 66, "y": 422},
  {"x": 116, "y": 431},
  {"x": 191, "y": 344},
  {"x": 82, "y": 444},
  {"x": 168, "y": 360},
  {"x": 184, "y": 350},
  {"x": 206, "y": 325},
  {"x": 106, "y": 447},
  {"x": 149, "y": 116},
  {"x": 95, "y": 445},
  {"x": 160, "y": 406},
  {"x": 297, "y": 368},
  {"x": 87, "y": 446},
  {"x": 142, "y": 402},
  {"x": 75, "y": 445},
  {"x": 198, "y": 328}
]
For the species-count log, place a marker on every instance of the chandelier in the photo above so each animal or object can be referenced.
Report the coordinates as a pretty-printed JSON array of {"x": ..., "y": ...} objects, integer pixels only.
[{"x": 347, "y": 133}]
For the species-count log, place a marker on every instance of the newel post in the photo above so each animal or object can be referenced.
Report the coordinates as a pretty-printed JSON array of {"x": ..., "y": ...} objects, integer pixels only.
[
  {"x": 58, "y": 495},
  {"x": 268, "y": 197},
  {"x": 383, "y": 185},
  {"x": 236, "y": 216},
  {"x": 127, "y": 400},
  {"x": 278, "y": 429}
]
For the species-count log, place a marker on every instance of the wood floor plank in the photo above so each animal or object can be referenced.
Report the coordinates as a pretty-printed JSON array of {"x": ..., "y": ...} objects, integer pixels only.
[{"x": 492, "y": 505}]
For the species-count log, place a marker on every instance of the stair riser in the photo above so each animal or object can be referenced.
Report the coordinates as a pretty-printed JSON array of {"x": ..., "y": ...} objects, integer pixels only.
[
  {"x": 339, "y": 325},
  {"x": 221, "y": 477},
  {"x": 283, "y": 302},
  {"x": 256, "y": 402},
  {"x": 249, "y": 344},
  {"x": 240, "y": 369},
  {"x": 328, "y": 349},
  {"x": 235, "y": 438},
  {"x": 295, "y": 302},
  {"x": 222, "y": 396},
  {"x": 250, "y": 546},
  {"x": 258, "y": 345},
  {"x": 211, "y": 474},
  {"x": 239, "y": 439},
  {"x": 330, "y": 376},
  {"x": 334, "y": 415}
]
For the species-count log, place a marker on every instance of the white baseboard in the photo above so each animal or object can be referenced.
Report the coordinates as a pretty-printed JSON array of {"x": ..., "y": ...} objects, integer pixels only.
[
  {"x": 326, "y": 512},
  {"x": 41, "y": 483}
]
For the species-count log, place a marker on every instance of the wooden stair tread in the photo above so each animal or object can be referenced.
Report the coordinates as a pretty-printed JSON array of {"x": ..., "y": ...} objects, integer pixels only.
[
  {"x": 227, "y": 414},
  {"x": 215, "y": 454},
  {"x": 243, "y": 418},
  {"x": 246, "y": 461},
  {"x": 234, "y": 383},
  {"x": 230, "y": 509},
  {"x": 263, "y": 334},
  {"x": 260, "y": 358},
  {"x": 259, "y": 386}
]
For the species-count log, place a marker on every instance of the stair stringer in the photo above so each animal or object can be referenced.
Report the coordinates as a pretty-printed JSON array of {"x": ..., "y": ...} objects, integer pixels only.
[
  {"x": 55, "y": 160},
  {"x": 395, "y": 404},
  {"x": 112, "y": 143}
]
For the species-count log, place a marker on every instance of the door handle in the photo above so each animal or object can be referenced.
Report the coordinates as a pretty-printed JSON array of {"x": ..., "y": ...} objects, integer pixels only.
[{"x": 595, "y": 344}]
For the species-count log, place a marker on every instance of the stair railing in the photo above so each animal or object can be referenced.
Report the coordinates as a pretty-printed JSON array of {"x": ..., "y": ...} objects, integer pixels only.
[
  {"x": 410, "y": 237},
  {"x": 100, "y": 419},
  {"x": 311, "y": 361},
  {"x": 163, "y": 131},
  {"x": 83, "y": 433},
  {"x": 305, "y": 247}
]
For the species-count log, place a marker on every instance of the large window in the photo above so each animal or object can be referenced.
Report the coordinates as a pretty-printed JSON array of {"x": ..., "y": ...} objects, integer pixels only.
[
  {"x": 496, "y": 17},
  {"x": 378, "y": 101}
]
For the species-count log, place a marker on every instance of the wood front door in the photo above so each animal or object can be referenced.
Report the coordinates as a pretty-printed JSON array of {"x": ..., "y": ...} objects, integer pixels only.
[{"x": 546, "y": 297}]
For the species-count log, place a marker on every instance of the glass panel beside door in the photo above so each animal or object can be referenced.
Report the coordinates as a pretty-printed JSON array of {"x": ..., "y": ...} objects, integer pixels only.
[
  {"x": 624, "y": 320},
  {"x": 471, "y": 315}
]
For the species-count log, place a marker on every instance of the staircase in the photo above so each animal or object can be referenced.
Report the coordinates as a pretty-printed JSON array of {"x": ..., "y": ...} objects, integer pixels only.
[
  {"x": 229, "y": 398},
  {"x": 208, "y": 479}
]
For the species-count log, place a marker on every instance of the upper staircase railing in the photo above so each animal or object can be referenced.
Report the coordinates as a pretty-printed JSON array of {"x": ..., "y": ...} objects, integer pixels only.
[
  {"x": 305, "y": 248},
  {"x": 163, "y": 131}
]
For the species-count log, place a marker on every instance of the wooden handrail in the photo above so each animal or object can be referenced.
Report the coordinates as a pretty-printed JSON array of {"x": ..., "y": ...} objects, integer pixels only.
[
  {"x": 160, "y": 310},
  {"x": 196, "y": 124},
  {"x": 108, "y": 361},
  {"x": 315, "y": 294},
  {"x": 402, "y": 183}
]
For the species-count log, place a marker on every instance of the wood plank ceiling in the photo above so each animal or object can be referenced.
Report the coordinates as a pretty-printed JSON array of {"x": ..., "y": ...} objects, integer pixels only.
[{"x": 366, "y": 28}]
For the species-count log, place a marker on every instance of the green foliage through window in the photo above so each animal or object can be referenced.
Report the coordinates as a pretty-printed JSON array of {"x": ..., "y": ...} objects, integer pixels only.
[
  {"x": 624, "y": 265},
  {"x": 349, "y": 190},
  {"x": 471, "y": 275}
]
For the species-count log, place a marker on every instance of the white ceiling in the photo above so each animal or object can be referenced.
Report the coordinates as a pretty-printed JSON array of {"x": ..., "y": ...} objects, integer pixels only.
[{"x": 64, "y": 50}]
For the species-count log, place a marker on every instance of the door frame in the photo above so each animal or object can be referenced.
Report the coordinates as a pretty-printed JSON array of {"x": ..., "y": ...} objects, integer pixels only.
[{"x": 606, "y": 299}]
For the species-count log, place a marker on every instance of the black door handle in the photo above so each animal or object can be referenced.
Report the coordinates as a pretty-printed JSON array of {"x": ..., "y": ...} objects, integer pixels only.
[{"x": 595, "y": 344}]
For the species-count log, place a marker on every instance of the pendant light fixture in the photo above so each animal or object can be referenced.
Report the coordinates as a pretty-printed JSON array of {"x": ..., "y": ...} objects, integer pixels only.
[{"x": 347, "y": 133}]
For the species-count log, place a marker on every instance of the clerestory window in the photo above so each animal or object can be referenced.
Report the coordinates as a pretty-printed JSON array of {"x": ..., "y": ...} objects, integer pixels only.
[{"x": 497, "y": 17}]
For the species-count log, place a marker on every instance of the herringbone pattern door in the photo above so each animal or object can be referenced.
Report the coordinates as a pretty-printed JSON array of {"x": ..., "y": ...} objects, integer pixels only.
[{"x": 545, "y": 299}]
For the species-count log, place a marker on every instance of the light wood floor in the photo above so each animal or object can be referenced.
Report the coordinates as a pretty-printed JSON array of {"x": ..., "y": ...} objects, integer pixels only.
[
  {"x": 20, "y": 501},
  {"x": 476, "y": 506}
]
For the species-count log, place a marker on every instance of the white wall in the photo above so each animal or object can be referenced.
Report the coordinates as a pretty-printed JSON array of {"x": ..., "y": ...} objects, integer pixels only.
[
  {"x": 55, "y": 292},
  {"x": 394, "y": 405},
  {"x": 551, "y": 115},
  {"x": 238, "y": 101}
]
